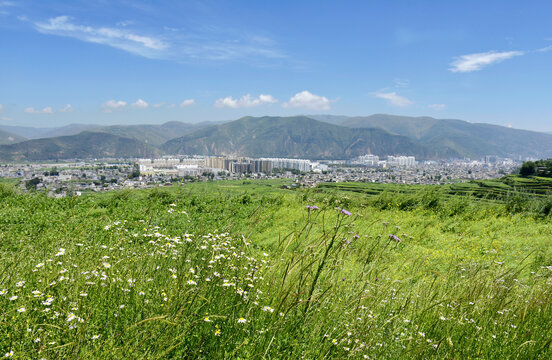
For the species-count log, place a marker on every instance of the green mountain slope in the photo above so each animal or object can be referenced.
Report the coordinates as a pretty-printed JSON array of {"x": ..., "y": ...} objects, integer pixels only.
[
  {"x": 155, "y": 135},
  {"x": 152, "y": 134},
  {"x": 7, "y": 137},
  {"x": 461, "y": 137},
  {"x": 84, "y": 145},
  {"x": 294, "y": 137}
]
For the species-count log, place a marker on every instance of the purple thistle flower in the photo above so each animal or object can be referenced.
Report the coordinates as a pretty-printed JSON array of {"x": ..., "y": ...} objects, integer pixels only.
[
  {"x": 394, "y": 238},
  {"x": 312, "y": 207},
  {"x": 348, "y": 213},
  {"x": 356, "y": 236}
]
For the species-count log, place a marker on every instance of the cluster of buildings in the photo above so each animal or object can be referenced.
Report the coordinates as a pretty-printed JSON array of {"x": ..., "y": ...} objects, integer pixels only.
[
  {"x": 192, "y": 166},
  {"x": 59, "y": 179},
  {"x": 197, "y": 165},
  {"x": 240, "y": 165},
  {"x": 374, "y": 160}
]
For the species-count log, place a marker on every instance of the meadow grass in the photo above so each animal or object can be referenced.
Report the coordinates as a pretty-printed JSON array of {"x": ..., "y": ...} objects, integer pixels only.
[{"x": 248, "y": 270}]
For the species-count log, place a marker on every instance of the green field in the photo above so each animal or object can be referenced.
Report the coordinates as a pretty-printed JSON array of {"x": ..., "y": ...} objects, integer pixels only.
[{"x": 246, "y": 270}]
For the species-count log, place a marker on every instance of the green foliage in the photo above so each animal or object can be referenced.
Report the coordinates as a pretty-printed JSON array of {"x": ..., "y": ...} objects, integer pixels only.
[
  {"x": 539, "y": 168},
  {"x": 527, "y": 169},
  {"x": 32, "y": 183},
  {"x": 247, "y": 270}
]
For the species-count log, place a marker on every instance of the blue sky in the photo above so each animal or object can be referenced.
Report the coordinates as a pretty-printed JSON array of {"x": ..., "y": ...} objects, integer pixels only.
[{"x": 125, "y": 62}]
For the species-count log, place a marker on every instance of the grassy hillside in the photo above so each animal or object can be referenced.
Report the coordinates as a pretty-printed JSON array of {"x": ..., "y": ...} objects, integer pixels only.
[
  {"x": 249, "y": 270},
  {"x": 295, "y": 137},
  {"x": 84, "y": 145}
]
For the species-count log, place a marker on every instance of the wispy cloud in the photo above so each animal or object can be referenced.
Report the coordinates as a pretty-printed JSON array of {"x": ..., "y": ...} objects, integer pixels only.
[
  {"x": 475, "y": 62},
  {"x": 113, "y": 105},
  {"x": 4, "y": 5},
  {"x": 140, "y": 104},
  {"x": 46, "y": 110},
  {"x": 206, "y": 43},
  {"x": 437, "y": 107},
  {"x": 1, "y": 108},
  {"x": 394, "y": 99},
  {"x": 66, "y": 109},
  {"x": 187, "y": 102},
  {"x": 308, "y": 100},
  {"x": 147, "y": 46},
  {"x": 401, "y": 83},
  {"x": 545, "y": 49},
  {"x": 245, "y": 101}
]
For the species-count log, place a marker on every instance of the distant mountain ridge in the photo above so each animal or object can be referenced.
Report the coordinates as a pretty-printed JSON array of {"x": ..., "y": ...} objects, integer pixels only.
[
  {"x": 152, "y": 134},
  {"x": 465, "y": 139},
  {"x": 85, "y": 145},
  {"x": 293, "y": 137},
  {"x": 7, "y": 137}
]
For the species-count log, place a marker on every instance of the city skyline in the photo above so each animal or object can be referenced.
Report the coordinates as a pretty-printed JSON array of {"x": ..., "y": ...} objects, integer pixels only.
[{"x": 134, "y": 62}]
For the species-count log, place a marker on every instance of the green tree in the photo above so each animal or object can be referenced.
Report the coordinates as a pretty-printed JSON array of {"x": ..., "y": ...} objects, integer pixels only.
[{"x": 527, "y": 169}]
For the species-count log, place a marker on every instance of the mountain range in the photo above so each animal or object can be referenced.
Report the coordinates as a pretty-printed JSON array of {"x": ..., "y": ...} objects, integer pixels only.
[
  {"x": 458, "y": 138},
  {"x": 311, "y": 136},
  {"x": 292, "y": 137}
]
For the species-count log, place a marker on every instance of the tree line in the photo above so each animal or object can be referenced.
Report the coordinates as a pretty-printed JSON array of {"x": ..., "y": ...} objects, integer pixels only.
[{"x": 537, "y": 168}]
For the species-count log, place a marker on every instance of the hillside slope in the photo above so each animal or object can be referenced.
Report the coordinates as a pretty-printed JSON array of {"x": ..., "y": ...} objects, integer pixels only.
[
  {"x": 84, "y": 145},
  {"x": 294, "y": 137},
  {"x": 461, "y": 137},
  {"x": 7, "y": 137}
]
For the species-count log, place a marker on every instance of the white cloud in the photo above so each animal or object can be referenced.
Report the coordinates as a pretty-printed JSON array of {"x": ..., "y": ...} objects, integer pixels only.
[
  {"x": 205, "y": 42},
  {"x": 125, "y": 23},
  {"x": 46, "y": 110},
  {"x": 187, "y": 102},
  {"x": 401, "y": 83},
  {"x": 113, "y": 105},
  {"x": 146, "y": 46},
  {"x": 66, "y": 109},
  {"x": 395, "y": 99},
  {"x": 474, "y": 62},
  {"x": 437, "y": 107},
  {"x": 545, "y": 49},
  {"x": 5, "y": 118},
  {"x": 159, "y": 104},
  {"x": 140, "y": 104},
  {"x": 245, "y": 101},
  {"x": 1, "y": 108},
  {"x": 171, "y": 106},
  {"x": 308, "y": 100}
]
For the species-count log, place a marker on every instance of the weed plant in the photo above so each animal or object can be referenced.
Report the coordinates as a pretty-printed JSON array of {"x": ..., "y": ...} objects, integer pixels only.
[{"x": 248, "y": 271}]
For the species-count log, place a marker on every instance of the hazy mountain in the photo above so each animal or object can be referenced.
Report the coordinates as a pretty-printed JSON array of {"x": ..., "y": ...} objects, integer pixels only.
[
  {"x": 458, "y": 136},
  {"x": 37, "y": 133},
  {"x": 151, "y": 134},
  {"x": 294, "y": 137},
  {"x": 7, "y": 137},
  {"x": 330, "y": 119},
  {"x": 84, "y": 145},
  {"x": 155, "y": 135}
]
